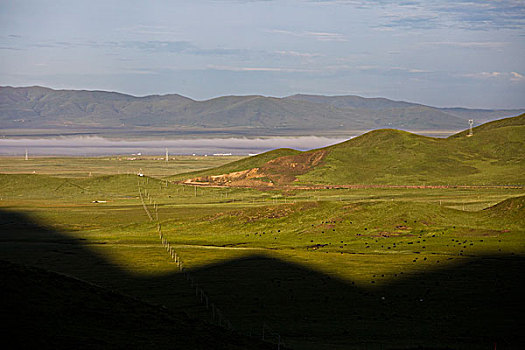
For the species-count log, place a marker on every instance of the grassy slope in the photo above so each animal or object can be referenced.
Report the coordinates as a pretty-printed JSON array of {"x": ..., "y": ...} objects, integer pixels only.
[
  {"x": 493, "y": 156},
  {"x": 509, "y": 211},
  {"x": 302, "y": 225},
  {"x": 387, "y": 156},
  {"x": 512, "y": 121}
]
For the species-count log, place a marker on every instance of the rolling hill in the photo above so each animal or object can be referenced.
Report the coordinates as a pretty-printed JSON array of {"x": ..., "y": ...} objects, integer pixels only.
[
  {"x": 492, "y": 156},
  {"x": 110, "y": 112}
]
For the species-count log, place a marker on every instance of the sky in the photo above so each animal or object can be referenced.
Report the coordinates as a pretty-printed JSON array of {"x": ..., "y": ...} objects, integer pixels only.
[{"x": 437, "y": 52}]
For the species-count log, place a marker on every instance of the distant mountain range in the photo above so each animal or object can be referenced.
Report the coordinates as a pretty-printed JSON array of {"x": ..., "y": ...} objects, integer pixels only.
[{"x": 24, "y": 108}]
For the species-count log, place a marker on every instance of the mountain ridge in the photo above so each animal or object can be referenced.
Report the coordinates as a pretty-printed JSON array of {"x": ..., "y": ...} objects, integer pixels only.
[{"x": 44, "y": 108}]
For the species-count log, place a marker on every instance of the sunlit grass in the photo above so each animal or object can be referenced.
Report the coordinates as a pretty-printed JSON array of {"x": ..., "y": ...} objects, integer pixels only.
[{"x": 81, "y": 167}]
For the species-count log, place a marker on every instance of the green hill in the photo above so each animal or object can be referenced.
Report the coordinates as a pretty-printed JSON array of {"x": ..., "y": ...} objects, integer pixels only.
[
  {"x": 502, "y": 145},
  {"x": 510, "y": 210},
  {"x": 492, "y": 156},
  {"x": 497, "y": 124}
]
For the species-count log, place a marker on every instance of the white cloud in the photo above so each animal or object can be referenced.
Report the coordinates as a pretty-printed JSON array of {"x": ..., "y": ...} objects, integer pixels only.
[
  {"x": 320, "y": 36},
  {"x": 383, "y": 29},
  {"x": 512, "y": 76},
  {"x": 258, "y": 69},
  {"x": 483, "y": 75},
  {"x": 140, "y": 71},
  {"x": 149, "y": 30},
  {"x": 392, "y": 69},
  {"x": 469, "y": 44},
  {"x": 367, "y": 67},
  {"x": 298, "y": 54},
  {"x": 280, "y": 31},
  {"x": 417, "y": 70}
]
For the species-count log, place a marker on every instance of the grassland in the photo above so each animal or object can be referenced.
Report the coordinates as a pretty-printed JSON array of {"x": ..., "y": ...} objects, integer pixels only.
[
  {"x": 324, "y": 269},
  {"x": 111, "y": 165}
]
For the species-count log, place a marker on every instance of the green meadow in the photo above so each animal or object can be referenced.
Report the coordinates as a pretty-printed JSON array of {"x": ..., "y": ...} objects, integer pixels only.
[
  {"x": 111, "y": 165},
  {"x": 323, "y": 268}
]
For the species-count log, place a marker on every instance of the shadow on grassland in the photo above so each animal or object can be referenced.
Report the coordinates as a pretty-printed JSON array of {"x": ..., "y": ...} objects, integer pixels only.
[
  {"x": 104, "y": 309},
  {"x": 472, "y": 305}
]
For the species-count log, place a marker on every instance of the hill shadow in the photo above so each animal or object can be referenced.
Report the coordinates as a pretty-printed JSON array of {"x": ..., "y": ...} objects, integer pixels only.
[
  {"x": 58, "y": 293},
  {"x": 470, "y": 305},
  {"x": 473, "y": 305}
]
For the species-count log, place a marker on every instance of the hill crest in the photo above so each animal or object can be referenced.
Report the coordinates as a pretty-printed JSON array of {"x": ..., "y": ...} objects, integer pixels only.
[
  {"x": 44, "y": 108},
  {"x": 389, "y": 157}
]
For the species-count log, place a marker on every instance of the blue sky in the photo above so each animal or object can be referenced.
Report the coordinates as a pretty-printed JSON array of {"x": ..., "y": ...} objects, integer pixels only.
[{"x": 437, "y": 52}]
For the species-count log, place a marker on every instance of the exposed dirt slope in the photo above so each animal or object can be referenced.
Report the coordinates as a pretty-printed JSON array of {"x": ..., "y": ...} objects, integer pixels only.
[{"x": 278, "y": 171}]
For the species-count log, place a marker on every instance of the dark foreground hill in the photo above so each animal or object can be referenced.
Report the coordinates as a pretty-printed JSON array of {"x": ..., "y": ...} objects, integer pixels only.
[
  {"x": 493, "y": 155},
  {"x": 44, "y": 309},
  {"x": 112, "y": 113}
]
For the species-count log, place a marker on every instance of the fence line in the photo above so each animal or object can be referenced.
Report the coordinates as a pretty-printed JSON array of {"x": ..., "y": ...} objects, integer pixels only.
[
  {"x": 217, "y": 315},
  {"x": 143, "y": 203}
]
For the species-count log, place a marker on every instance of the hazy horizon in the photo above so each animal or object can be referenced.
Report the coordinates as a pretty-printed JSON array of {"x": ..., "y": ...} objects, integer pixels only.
[{"x": 100, "y": 146}]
